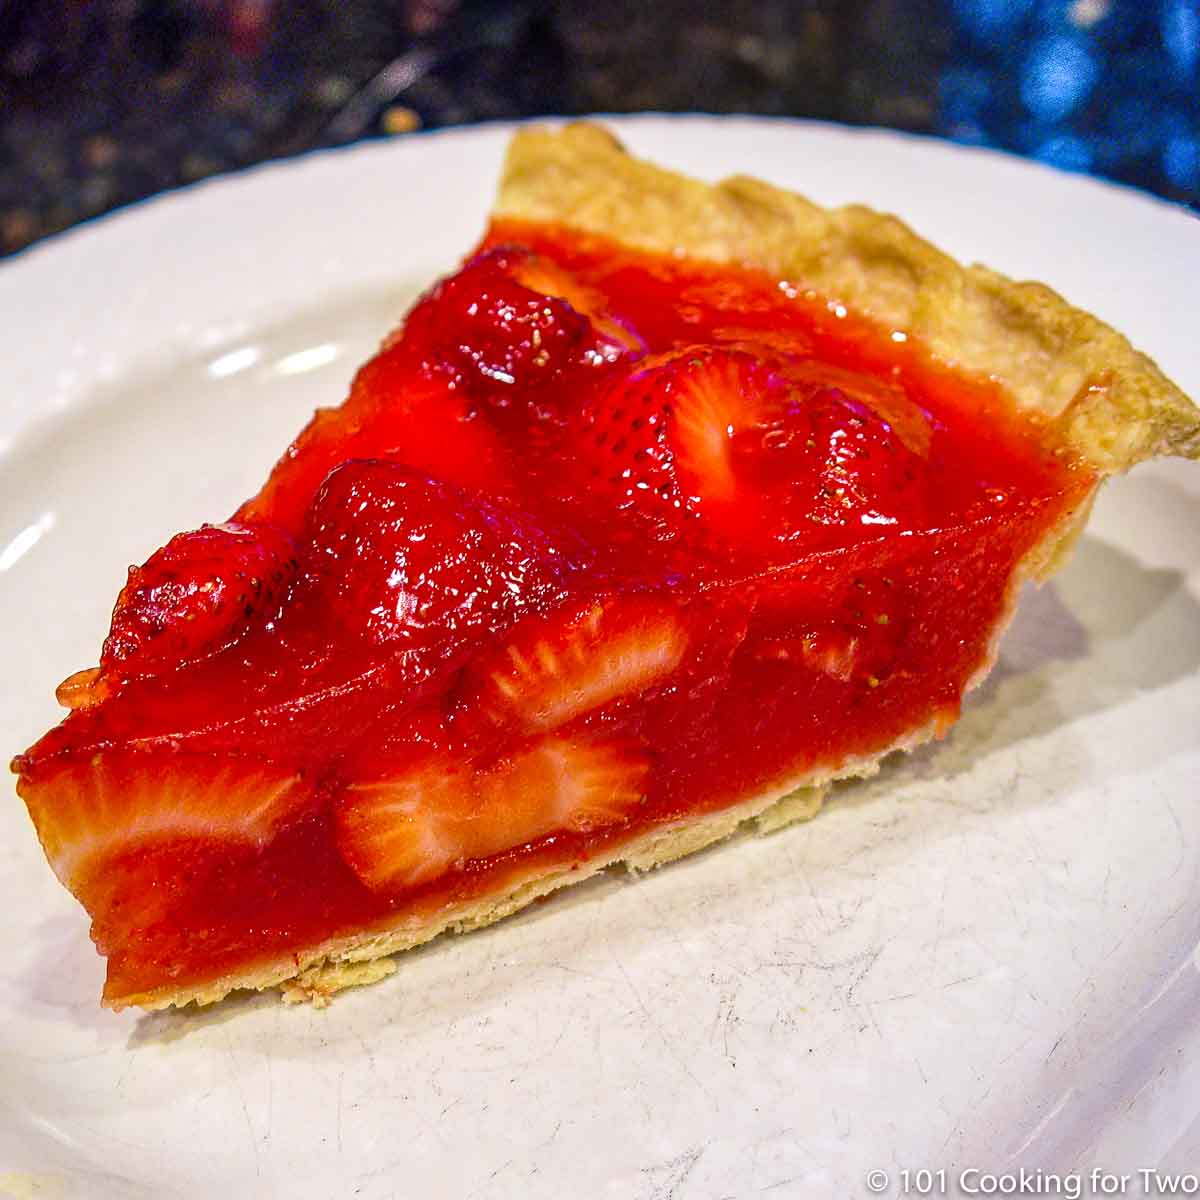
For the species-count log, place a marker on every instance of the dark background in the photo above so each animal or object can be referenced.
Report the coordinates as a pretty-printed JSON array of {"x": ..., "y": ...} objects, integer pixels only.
[{"x": 102, "y": 103}]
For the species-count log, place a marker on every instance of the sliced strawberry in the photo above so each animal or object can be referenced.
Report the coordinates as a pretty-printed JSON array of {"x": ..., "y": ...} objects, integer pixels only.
[
  {"x": 716, "y": 395},
  {"x": 802, "y": 441},
  {"x": 198, "y": 594},
  {"x": 847, "y": 466},
  {"x": 408, "y": 562},
  {"x": 89, "y": 811},
  {"x": 412, "y": 827},
  {"x": 580, "y": 785},
  {"x": 554, "y": 669},
  {"x": 622, "y": 456},
  {"x": 397, "y": 411},
  {"x": 657, "y": 443},
  {"x": 398, "y": 832}
]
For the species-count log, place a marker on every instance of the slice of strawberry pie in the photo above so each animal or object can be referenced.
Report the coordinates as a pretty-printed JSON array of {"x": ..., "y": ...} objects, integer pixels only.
[{"x": 674, "y": 504}]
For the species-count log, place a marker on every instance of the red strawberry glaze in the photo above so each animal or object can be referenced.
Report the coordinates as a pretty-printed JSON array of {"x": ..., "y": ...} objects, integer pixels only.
[{"x": 792, "y": 530}]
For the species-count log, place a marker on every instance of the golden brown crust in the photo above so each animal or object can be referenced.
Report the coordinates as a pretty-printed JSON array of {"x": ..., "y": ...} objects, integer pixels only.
[{"x": 1115, "y": 406}]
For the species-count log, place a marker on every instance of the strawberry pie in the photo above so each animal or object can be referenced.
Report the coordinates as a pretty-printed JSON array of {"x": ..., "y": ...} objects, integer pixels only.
[{"x": 674, "y": 504}]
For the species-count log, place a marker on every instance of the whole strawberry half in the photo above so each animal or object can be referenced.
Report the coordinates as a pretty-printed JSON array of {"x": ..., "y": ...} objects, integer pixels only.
[
  {"x": 505, "y": 325},
  {"x": 615, "y": 337},
  {"x": 835, "y": 454},
  {"x": 197, "y": 595},
  {"x": 408, "y": 562}
]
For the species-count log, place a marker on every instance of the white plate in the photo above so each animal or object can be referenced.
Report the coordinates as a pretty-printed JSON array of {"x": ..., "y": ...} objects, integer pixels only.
[{"x": 985, "y": 958}]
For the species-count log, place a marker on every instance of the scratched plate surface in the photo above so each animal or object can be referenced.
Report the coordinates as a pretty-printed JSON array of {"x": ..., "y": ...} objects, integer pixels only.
[{"x": 986, "y": 957}]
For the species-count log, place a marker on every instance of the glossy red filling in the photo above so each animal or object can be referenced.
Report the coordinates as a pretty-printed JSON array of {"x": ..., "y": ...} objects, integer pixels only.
[{"x": 598, "y": 541}]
